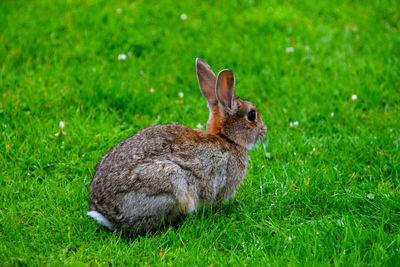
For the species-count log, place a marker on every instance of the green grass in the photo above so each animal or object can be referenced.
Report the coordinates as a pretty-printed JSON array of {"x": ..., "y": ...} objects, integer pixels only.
[{"x": 326, "y": 192}]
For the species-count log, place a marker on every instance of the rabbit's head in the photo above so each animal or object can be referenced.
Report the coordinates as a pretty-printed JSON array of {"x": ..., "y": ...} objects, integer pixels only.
[{"x": 232, "y": 117}]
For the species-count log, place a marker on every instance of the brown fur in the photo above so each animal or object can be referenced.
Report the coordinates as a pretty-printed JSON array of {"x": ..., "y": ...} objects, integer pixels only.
[{"x": 167, "y": 171}]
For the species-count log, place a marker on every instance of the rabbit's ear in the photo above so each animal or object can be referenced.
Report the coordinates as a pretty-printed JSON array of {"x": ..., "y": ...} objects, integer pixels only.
[
  {"x": 207, "y": 80},
  {"x": 225, "y": 90}
]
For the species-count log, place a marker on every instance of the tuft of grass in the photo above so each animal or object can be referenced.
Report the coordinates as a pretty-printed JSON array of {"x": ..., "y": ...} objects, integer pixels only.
[{"x": 325, "y": 192}]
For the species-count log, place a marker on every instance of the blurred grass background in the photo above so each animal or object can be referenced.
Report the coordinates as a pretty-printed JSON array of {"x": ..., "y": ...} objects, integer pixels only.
[{"x": 325, "y": 192}]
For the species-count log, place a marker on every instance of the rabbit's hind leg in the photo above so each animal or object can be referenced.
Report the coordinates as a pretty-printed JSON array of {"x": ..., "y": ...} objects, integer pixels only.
[{"x": 141, "y": 211}]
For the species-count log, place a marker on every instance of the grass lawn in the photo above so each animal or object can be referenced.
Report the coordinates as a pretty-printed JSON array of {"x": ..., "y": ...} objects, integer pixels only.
[{"x": 325, "y": 191}]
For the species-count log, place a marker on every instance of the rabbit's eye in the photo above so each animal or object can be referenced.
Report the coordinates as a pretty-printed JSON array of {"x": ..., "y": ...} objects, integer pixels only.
[{"x": 251, "y": 116}]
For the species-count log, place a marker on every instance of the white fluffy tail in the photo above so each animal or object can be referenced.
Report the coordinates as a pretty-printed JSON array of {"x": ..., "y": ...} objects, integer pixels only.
[{"x": 100, "y": 219}]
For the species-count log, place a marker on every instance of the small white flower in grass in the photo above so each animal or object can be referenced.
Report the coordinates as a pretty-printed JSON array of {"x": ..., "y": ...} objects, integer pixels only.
[
  {"x": 332, "y": 114},
  {"x": 199, "y": 126},
  {"x": 181, "y": 95},
  {"x": 183, "y": 16},
  {"x": 289, "y": 50},
  {"x": 294, "y": 124},
  {"x": 151, "y": 90},
  {"x": 119, "y": 10},
  {"x": 354, "y": 97},
  {"x": 290, "y": 238},
  {"x": 61, "y": 131},
  {"x": 121, "y": 57}
]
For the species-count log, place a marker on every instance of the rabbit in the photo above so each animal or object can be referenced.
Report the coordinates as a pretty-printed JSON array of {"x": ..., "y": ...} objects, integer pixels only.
[{"x": 166, "y": 172}]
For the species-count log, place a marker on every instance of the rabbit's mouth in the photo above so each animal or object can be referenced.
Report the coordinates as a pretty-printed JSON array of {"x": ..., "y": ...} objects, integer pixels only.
[
  {"x": 258, "y": 138},
  {"x": 262, "y": 130}
]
